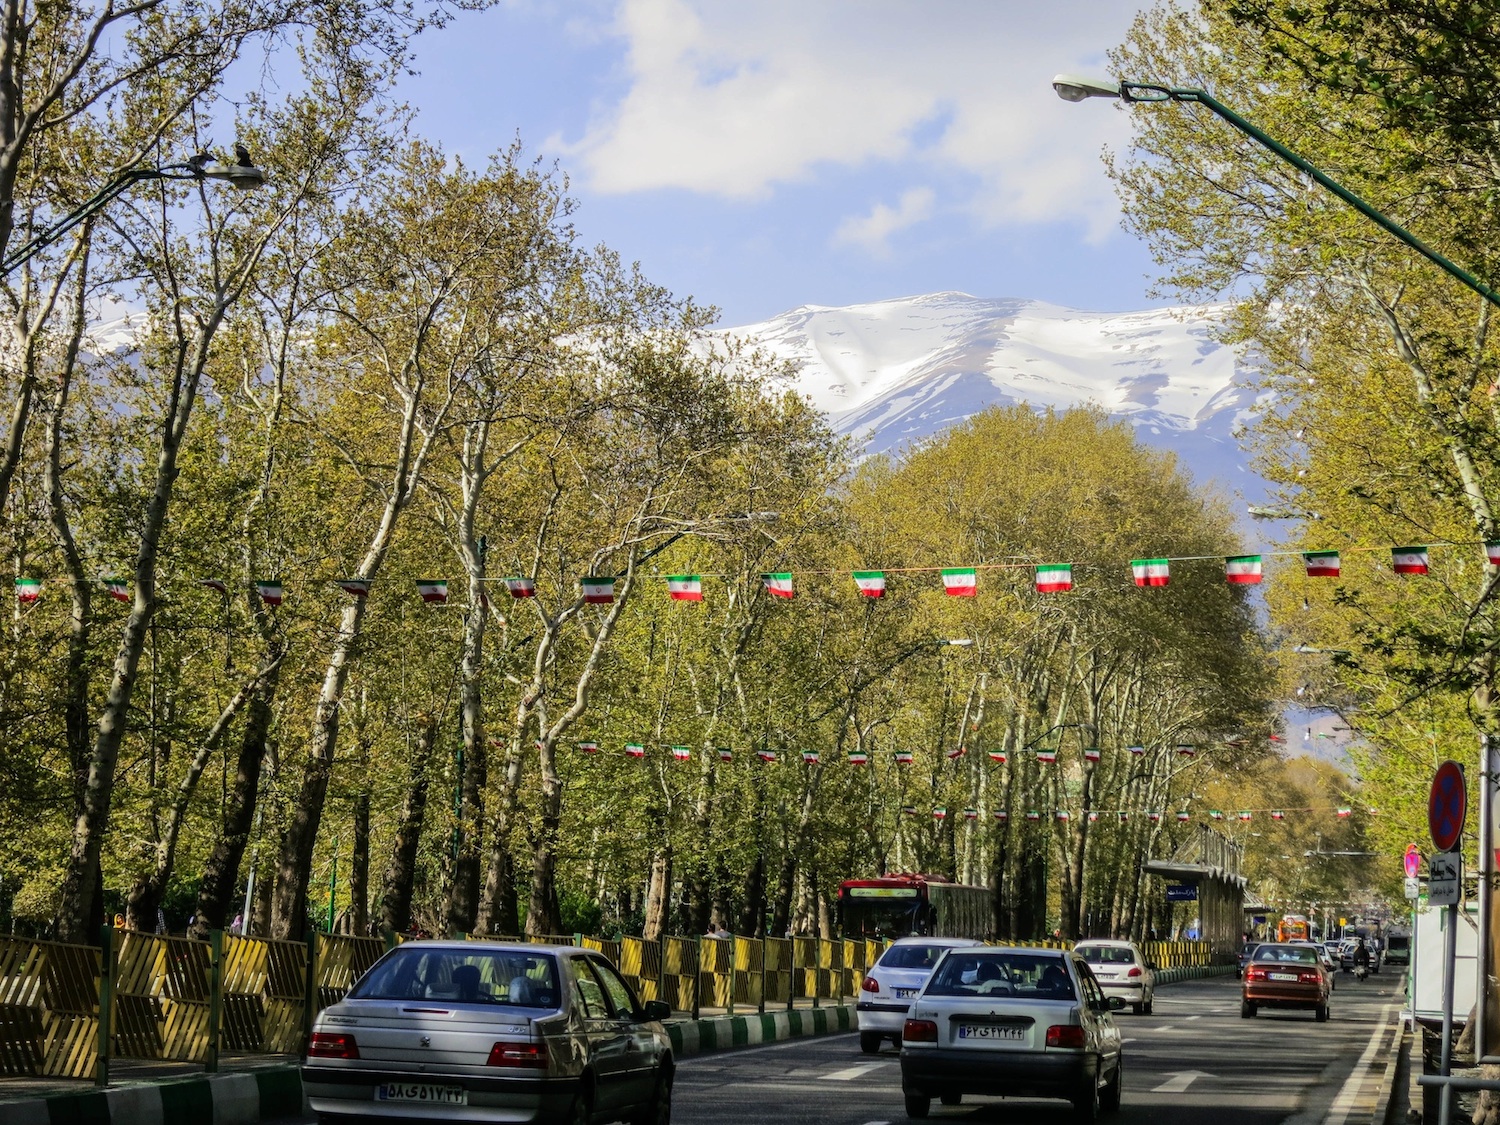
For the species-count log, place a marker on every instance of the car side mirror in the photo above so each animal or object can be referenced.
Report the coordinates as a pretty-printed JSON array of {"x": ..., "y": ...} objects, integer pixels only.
[
  {"x": 1117, "y": 1003},
  {"x": 656, "y": 1010}
]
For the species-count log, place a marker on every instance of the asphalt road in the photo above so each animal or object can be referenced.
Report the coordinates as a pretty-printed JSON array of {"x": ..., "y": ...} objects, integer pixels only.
[{"x": 1193, "y": 1060}]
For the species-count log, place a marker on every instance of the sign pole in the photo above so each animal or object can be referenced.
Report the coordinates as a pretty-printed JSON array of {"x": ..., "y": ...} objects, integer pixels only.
[
  {"x": 1450, "y": 952},
  {"x": 1447, "y": 810}
]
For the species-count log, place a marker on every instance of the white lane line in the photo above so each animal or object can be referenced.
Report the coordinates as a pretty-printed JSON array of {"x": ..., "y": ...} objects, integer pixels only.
[
  {"x": 1338, "y": 1112},
  {"x": 1186, "y": 1018},
  {"x": 853, "y": 1072}
]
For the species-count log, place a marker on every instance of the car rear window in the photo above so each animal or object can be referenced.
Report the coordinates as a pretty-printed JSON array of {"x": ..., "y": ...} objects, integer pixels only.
[
  {"x": 912, "y": 956},
  {"x": 1249, "y": 947},
  {"x": 1397, "y": 941},
  {"x": 1289, "y": 954},
  {"x": 462, "y": 976},
  {"x": 981, "y": 973},
  {"x": 1106, "y": 954}
]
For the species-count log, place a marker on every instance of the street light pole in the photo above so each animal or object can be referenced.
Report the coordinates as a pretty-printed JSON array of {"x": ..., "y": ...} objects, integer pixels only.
[
  {"x": 242, "y": 174},
  {"x": 1073, "y": 88}
]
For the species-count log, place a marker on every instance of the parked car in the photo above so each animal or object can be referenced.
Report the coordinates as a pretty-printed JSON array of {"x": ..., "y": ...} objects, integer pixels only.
[
  {"x": 1121, "y": 970},
  {"x": 886, "y": 993},
  {"x": 1283, "y": 975},
  {"x": 477, "y": 1030},
  {"x": 1247, "y": 950},
  {"x": 1016, "y": 1023}
]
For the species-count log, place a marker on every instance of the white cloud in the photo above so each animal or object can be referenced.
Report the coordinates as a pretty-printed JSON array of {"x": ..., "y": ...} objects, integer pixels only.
[
  {"x": 873, "y": 230},
  {"x": 734, "y": 99}
]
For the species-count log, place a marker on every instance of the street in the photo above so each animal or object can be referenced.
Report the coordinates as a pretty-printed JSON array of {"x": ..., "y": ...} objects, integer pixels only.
[{"x": 1193, "y": 1058}]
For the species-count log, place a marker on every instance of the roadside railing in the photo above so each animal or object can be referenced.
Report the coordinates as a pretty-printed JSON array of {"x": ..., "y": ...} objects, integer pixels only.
[{"x": 67, "y": 1010}]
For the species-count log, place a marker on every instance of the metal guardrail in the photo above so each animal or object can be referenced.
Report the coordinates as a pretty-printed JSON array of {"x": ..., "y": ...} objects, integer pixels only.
[{"x": 172, "y": 998}]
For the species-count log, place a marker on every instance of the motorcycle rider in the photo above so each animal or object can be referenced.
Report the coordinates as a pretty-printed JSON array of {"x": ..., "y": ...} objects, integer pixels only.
[{"x": 1361, "y": 959}]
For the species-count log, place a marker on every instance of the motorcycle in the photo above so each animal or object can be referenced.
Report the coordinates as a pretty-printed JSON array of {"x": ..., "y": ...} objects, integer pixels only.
[{"x": 1361, "y": 972}]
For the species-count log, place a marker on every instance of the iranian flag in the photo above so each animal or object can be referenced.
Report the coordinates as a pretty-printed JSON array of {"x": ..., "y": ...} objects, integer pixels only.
[
  {"x": 1492, "y": 552},
  {"x": 270, "y": 592},
  {"x": 909, "y": 810},
  {"x": 871, "y": 583},
  {"x": 359, "y": 587},
  {"x": 940, "y": 813},
  {"x": 685, "y": 587},
  {"x": 725, "y": 754},
  {"x": 1186, "y": 750},
  {"x": 589, "y": 747},
  {"x": 1032, "y": 814},
  {"x": 1321, "y": 564},
  {"x": 1215, "y": 814},
  {"x": 1153, "y": 816},
  {"x": 957, "y": 752},
  {"x": 635, "y": 750},
  {"x": 214, "y": 584},
  {"x": 905, "y": 757},
  {"x": 1124, "y": 818},
  {"x": 521, "y": 587},
  {"x": 682, "y": 753},
  {"x": 1409, "y": 560},
  {"x": 1242, "y": 570},
  {"x": 118, "y": 589},
  {"x": 1002, "y": 814},
  {"x": 434, "y": 591},
  {"x": 1062, "y": 814},
  {"x": 1183, "y": 815},
  {"x": 1344, "y": 812},
  {"x": 597, "y": 590},
  {"x": 1093, "y": 816},
  {"x": 858, "y": 758},
  {"x": 1276, "y": 738},
  {"x": 809, "y": 755},
  {"x": 1136, "y": 750},
  {"x": 960, "y": 582},
  {"x": 1151, "y": 572},
  {"x": 1278, "y": 815},
  {"x": 1046, "y": 757},
  {"x": 766, "y": 755},
  {"x": 1054, "y": 578},
  {"x": 971, "y": 814},
  {"x": 1091, "y": 753},
  {"x": 778, "y": 585},
  {"x": 1245, "y": 814},
  {"x": 997, "y": 756},
  {"x": 28, "y": 589}
]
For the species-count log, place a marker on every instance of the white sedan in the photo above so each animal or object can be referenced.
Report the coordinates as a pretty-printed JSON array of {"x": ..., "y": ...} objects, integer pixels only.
[
  {"x": 886, "y": 993},
  {"x": 1122, "y": 970},
  {"x": 1028, "y": 1023}
]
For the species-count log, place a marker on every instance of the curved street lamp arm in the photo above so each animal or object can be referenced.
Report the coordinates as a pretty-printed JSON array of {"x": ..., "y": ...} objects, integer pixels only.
[{"x": 1146, "y": 92}]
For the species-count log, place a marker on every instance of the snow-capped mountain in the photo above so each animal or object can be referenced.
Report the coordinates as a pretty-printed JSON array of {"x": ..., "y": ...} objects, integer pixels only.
[{"x": 894, "y": 372}]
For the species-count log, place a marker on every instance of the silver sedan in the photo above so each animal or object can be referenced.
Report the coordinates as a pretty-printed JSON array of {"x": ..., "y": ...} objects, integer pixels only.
[{"x": 485, "y": 1031}]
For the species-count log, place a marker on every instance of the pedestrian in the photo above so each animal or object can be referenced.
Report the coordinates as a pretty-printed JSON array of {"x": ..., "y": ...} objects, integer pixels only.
[{"x": 238, "y": 925}]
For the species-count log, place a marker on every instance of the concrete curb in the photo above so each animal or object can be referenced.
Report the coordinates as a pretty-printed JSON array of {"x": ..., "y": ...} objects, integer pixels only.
[
  {"x": 1195, "y": 972},
  {"x": 1385, "y": 1092},
  {"x": 720, "y": 1033},
  {"x": 213, "y": 1099}
]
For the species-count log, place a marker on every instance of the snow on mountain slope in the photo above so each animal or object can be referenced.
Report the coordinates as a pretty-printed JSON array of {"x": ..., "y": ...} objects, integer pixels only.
[{"x": 894, "y": 372}]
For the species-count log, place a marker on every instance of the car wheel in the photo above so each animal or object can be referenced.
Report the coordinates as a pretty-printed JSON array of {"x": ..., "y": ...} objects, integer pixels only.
[
  {"x": 1247, "y": 1010},
  {"x": 581, "y": 1111},
  {"x": 952, "y": 1099},
  {"x": 918, "y": 1105},
  {"x": 1086, "y": 1104},
  {"x": 869, "y": 1042},
  {"x": 658, "y": 1111},
  {"x": 1149, "y": 1003},
  {"x": 1320, "y": 1013},
  {"x": 1138, "y": 1007},
  {"x": 1110, "y": 1100}
]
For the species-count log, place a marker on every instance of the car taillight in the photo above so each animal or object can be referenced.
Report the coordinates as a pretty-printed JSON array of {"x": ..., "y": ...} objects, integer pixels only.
[
  {"x": 869, "y": 984},
  {"x": 919, "y": 1031},
  {"x": 1135, "y": 971},
  {"x": 1310, "y": 978},
  {"x": 1065, "y": 1035},
  {"x": 1255, "y": 974},
  {"x": 533, "y": 1055},
  {"x": 332, "y": 1045}
]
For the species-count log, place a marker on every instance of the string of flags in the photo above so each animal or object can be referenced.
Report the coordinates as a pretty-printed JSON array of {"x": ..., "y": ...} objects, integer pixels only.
[
  {"x": 960, "y": 582},
  {"x": 1153, "y": 816},
  {"x": 1042, "y": 755}
]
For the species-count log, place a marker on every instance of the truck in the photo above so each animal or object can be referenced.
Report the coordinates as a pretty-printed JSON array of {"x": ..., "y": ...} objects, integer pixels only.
[{"x": 1424, "y": 982}]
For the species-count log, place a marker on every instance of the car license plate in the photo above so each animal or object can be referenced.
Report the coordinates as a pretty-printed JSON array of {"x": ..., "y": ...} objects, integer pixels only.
[
  {"x": 421, "y": 1092},
  {"x": 1281, "y": 976},
  {"x": 989, "y": 1031},
  {"x": 906, "y": 993}
]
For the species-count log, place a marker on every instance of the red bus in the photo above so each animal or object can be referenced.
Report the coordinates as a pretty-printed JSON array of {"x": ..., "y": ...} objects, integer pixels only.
[{"x": 893, "y": 906}]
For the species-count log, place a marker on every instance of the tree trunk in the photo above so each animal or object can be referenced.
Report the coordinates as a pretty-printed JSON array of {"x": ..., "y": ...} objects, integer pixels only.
[
  {"x": 400, "y": 872},
  {"x": 659, "y": 894},
  {"x": 499, "y": 912},
  {"x": 359, "y": 868},
  {"x": 463, "y": 902}
]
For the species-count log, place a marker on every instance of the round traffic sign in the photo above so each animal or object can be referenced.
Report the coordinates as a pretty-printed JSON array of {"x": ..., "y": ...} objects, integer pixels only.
[
  {"x": 1447, "y": 806},
  {"x": 1412, "y": 861}
]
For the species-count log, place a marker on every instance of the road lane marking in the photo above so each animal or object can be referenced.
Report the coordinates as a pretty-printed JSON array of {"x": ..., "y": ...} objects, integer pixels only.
[
  {"x": 853, "y": 1072},
  {"x": 1180, "y": 1081},
  {"x": 1338, "y": 1112},
  {"x": 1186, "y": 1018}
]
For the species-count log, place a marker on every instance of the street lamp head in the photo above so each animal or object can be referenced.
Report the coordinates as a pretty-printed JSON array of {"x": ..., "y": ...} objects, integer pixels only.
[
  {"x": 1076, "y": 87},
  {"x": 242, "y": 176}
]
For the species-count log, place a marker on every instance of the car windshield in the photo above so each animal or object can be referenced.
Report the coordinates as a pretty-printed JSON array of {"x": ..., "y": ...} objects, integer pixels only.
[
  {"x": 1106, "y": 954},
  {"x": 462, "y": 976},
  {"x": 912, "y": 956},
  {"x": 982, "y": 973},
  {"x": 1290, "y": 954}
]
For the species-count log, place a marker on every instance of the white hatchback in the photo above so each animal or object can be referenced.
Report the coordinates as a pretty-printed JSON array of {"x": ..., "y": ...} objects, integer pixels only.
[
  {"x": 1122, "y": 970},
  {"x": 892, "y": 982}
]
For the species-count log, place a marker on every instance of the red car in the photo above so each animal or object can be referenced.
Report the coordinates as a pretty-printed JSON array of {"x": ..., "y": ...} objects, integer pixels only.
[{"x": 1285, "y": 976}]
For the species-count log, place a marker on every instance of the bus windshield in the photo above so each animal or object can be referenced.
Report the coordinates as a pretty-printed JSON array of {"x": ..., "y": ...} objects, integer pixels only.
[{"x": 881, "y": 917}]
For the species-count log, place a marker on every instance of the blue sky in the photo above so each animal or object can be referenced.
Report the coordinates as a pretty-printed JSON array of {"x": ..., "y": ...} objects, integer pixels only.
[{"x": 764, "y": 154}]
